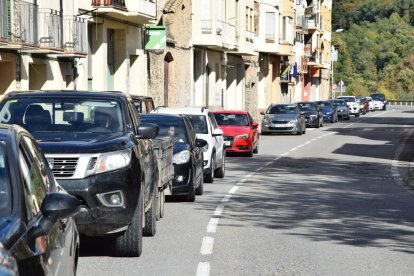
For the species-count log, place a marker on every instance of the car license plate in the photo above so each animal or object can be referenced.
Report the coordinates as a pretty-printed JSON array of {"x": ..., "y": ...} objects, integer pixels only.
[
  {"x": 279, "y": 125},
  {"x": 227, "y": 143}
]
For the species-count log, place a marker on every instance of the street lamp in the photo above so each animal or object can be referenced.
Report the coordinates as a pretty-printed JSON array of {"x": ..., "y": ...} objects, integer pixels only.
[{"x": 334, "y": 57}]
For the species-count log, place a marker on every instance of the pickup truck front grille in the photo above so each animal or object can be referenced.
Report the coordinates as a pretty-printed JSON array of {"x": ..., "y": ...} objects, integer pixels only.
[{"x": 63, "y": 167}]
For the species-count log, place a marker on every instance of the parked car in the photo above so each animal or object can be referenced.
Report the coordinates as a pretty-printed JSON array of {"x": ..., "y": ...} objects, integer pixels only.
[
  {"x": 329, "y": 111},
  {"x": 313, "y": 114},
  {"x": 342, "y": 109},
  {"x": 353, "y": 104},
  {"x": 371, "y": 104},
  {"x": 36, "y": 215},
  {"x": 188, "y": 153},
  {"x": 206, "y": 128},
  {"x": 240, "y": 131},
  {"x": 100, "y": 153},
  {"x": 144, "y": 104},
  {"x": 380, "y": 97},
  {"x": 283, "y": 118}
]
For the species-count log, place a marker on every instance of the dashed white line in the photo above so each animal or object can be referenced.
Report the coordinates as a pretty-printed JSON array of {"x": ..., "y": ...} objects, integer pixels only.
[
  {"x": 226, "y": 198},
  {"x": 203, "y": 269},
  {"x": 207, "y": 246},
  {"x": 212, "y": 225},
  {"x": 233, "y": 189},
  {"x": 219, "y": 210}
]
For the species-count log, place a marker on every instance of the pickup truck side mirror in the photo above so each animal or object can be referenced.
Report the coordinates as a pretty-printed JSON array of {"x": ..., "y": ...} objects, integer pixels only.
[{"x": 147, "y": 131}]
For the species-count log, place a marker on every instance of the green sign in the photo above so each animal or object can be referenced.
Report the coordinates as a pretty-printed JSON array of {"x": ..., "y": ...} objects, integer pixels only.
[{"x": 155, "y": 37}]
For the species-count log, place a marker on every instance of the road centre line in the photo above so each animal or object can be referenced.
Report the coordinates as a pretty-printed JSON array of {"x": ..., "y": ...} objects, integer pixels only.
[
  {"x": 207, "y": 246},
  {"x": 203, "y": 268}
]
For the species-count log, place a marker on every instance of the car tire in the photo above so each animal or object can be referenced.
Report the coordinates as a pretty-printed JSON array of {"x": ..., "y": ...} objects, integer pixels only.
[
  {"x": 191, "y": 193},
  {"x": 210, "y": 177},
  {"x": 220, "y": 172},
  {"x": 347, "y": 117},
  {"x": 129, "y": 244},
  {"x": 200, "y": 188},
  {"x": 151, "y": 217},
  {"x": 304, "y": 131},
  {"x": 264, "y": 133},
  {"x": 357, "y": 115}
]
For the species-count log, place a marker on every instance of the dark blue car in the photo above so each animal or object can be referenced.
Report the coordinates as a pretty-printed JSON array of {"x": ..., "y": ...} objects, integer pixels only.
[
  {"x": 188, "y": 152},
  {"x": 329, "y": 111},
  {"x": 37, "y": 230}
]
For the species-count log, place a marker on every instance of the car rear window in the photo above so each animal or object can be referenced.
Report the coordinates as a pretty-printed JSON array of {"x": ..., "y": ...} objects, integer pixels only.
[
  {"x": 224, "y": 119},
  {"x": 199, "y": 123}
]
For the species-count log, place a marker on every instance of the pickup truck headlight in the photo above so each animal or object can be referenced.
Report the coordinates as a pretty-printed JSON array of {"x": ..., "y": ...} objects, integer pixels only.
[
  {"x": 243, "y": 136},
  {"x": 181, "y": 158},
  {"x": 113, "y": 160}
]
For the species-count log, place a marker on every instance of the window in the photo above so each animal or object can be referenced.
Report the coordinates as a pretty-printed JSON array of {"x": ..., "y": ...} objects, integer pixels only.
[
  {"x": 270, "y": 27},
  {"x": 287, "y": 31},
  {"x": 34, "y": 185},
  {"x": 5, "y": 187}
]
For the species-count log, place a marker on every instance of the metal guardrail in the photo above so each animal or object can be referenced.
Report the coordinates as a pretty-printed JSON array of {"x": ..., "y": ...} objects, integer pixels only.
[{"x": 401, "y": 102}]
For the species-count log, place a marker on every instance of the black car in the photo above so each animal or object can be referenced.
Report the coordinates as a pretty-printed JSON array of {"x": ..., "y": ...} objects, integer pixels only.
[
  {"x": 100, "y": 153},
  {"x": 36, "y": 215},
  {"x": 188, "y": 153},
  {"x": 380, "y": 97},
  {"x": 313, "y": 114}
]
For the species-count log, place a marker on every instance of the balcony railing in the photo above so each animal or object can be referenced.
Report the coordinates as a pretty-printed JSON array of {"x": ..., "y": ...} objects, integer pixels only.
[
  {"x": 50, "y": 29},
  {"x": 313, "y": 22},
  {"x": 120, "y": 4},
  {"x": 24, "y": 23},
  {"x": 229, "y": 35},
  {"x": 250, "y": 36},
  {"x": 75, "y": 39},
  {"x": 206, "y": 26}
]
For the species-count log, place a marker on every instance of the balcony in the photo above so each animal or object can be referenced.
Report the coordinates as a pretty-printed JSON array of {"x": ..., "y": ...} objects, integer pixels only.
[
  {"x": 21, "y": 32},
  {"x": 313, "y": 22},
  {"x": 134, "y": 11},
  {"x": 50, "y": 30},
  {"x": 75, "y": 39},
  {"x": 216, "y": 34},
  {"x": 315, "y": 59}
]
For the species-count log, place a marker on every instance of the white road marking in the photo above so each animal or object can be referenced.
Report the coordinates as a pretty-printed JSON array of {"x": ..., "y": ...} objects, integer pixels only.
[
  {"x": 212, "y": 225},
  {"x": 203, "y": 269},
  {"x": 226, "y": 198},
  {"x": 219, "y": 210},
  {"x": 233, "y": 189},
  {"x": 207, "y": 246}
]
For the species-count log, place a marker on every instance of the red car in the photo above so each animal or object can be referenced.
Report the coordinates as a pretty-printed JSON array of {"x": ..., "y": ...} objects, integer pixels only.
[{"x": 240, "y": 131}]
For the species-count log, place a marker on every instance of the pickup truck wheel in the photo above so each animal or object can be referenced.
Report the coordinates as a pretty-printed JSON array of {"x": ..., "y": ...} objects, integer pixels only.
[
  {"x": 220, "y": 172},
  {"x": 210, "y": 177},
  {"x": 130, "y": 243},
  {"x": 151, "y": 217}
]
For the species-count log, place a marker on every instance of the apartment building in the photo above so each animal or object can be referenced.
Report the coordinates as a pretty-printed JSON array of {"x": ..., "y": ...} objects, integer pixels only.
[
  {"x": 116, "y": 52},
  {"x": 41, "y": 44},
  {"x": 222, "y": 35}
]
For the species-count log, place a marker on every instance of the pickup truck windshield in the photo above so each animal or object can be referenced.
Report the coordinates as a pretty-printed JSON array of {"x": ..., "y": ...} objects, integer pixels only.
[{"x": 63, "y": 114}]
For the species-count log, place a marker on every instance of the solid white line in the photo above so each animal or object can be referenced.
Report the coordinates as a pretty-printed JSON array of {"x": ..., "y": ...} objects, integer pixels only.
[
  {"x": 203, "y": 269},
  {"x": 212, "y": 225},
  {"x": 207, "y": 246}
]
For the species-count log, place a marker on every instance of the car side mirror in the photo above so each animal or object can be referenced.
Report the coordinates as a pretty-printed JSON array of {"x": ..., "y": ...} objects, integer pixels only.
[
  {"x": 218, "y": 132},
  {"x": 255, "y": 124},
  {"x": 302, "y": 113},
  {"x": 262, "y": 113},
  {"x": 147, "y": 131},
  {"x": 55, "y": 206},
  {"x": 200, "y": 143}
]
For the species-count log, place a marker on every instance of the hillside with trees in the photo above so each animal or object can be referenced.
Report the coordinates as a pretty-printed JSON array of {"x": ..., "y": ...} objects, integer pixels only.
[{"x": 376, "y": 46}]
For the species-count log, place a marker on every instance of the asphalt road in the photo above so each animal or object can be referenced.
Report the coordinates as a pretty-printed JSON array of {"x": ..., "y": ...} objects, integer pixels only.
[{"x": 334, "y": 201}]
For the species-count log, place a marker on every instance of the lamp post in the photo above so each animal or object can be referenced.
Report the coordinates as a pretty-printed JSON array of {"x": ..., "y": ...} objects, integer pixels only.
[{"x": 334, "y": 57}]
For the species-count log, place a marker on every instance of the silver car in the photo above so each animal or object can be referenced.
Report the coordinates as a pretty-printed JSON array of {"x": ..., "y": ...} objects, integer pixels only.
[{"x": 283, "y": 118}]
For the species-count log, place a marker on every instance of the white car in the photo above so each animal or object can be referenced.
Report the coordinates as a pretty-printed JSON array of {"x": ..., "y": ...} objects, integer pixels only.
[
  {"x": 353, "y": 104},
  {"x": 206, "y": 128},
  {"x": 371, "y": 104}
]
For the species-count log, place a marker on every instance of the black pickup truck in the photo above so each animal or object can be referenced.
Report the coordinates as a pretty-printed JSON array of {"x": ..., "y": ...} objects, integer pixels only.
[{"x": 100, "y": 153}]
